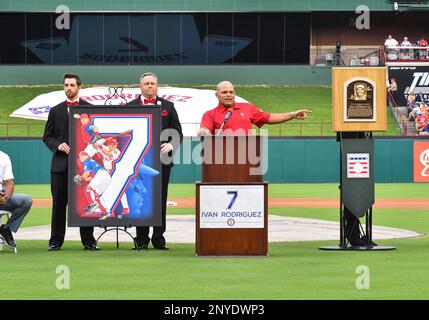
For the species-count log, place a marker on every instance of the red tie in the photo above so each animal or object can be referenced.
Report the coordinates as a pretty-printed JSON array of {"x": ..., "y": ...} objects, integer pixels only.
[
  {"x": 74, "y": 103},
  {"x": 147, "y": 101}
]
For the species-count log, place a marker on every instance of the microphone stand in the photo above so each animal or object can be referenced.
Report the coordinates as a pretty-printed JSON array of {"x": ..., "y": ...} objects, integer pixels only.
[
  {"x": 228, "y": 115},
  {"x": 220, "y": 130}
]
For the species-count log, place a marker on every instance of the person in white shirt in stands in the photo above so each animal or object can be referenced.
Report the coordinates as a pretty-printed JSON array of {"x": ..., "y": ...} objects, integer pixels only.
[
  {"x": 18, "y": 204},
  {"x": 389, "y": 44},
  {"x": 406, "y": 43},
  {"x": 406, "y": 53}
]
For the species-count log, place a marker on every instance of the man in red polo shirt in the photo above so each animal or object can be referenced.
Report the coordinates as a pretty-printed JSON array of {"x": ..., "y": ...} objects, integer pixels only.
[{"x": 241, "y": 115}]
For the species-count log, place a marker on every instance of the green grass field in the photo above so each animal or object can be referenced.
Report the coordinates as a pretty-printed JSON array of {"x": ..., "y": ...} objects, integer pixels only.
[
  {"x": 269, "y": 98},
  {"x": 293, "y": 270}
]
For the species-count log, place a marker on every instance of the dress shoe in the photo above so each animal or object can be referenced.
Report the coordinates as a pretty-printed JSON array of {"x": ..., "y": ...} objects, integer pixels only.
[
  {"x": 91, "y": 247},
  {"x": 7, "y": 237},
  {"x": 54, "y": 247},
  {"x": 163, "y": 247},
  {"x": 138, "y": 245}
]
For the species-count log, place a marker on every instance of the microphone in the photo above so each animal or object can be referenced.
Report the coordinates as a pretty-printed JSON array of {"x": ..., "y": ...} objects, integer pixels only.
[{"x": 227, "y": 116}]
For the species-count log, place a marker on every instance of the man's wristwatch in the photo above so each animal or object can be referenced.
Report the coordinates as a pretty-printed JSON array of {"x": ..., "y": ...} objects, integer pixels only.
[{"x": 293, "y": 114}]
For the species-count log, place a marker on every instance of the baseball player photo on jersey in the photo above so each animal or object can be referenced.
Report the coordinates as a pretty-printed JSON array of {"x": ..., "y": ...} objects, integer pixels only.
[{"x": 114, "y": 166}]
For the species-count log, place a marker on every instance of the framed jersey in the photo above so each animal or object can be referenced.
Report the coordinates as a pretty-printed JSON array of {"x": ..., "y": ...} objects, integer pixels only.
[{"x": 114, "y": 166}]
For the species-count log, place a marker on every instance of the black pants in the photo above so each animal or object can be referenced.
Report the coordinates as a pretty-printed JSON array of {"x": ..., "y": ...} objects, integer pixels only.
[
  {"x": 158, "y": 232},
  {"x": 59, "y": 190}
]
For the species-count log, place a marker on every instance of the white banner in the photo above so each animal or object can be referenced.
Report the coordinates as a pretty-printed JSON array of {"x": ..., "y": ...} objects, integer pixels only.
[
  {"x": 189, "y": 103},
  {"x": 232, "y": 206}
]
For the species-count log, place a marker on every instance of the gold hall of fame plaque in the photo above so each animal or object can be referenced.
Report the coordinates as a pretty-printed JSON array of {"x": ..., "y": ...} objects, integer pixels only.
[{"x": 359, "y": 104}]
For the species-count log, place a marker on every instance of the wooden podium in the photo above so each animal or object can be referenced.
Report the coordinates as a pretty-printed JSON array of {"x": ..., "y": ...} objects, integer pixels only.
[{"x": 232, "y": 199}]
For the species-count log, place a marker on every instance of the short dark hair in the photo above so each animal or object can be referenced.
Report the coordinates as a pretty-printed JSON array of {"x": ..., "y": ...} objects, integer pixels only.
[{"x": 74, "y": 76}]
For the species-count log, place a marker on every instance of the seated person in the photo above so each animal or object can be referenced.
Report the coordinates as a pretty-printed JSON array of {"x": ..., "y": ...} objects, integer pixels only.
[
  {"x": 423, "y": 125},
  {"x": 424, "y": 130},
  {"x": 410, "y": 109},
  {"x": 423, "y": 53},
  {"x": 405, "y": 53},
  {"x": 422, "y": 120},
  {"x": 415, "y": 112},
  {"x": 18, "y": 204},
  {"x": 424, "y": 108},
  {"x": 411, "y": 102}
]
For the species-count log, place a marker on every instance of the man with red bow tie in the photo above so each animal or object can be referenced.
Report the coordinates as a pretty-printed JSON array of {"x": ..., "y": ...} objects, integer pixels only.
[
  {"x": 170, "y": 120},
  {"x": 56, "y": 138}
]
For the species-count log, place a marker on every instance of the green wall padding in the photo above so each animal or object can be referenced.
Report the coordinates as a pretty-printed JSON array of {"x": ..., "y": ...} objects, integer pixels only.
[{"x": 290, "y": 160}]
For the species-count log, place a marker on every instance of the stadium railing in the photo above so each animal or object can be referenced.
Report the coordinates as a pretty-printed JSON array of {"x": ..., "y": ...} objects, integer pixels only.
[
  {"x": 21, "y": 129},
  {"x": 399, "y": 114},
  {"x": 9, "y": 129},
  {"x": 398, "y": 53}
]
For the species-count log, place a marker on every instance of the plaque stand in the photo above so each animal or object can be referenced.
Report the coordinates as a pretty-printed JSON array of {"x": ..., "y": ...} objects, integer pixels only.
[{"x": 367, "y": 235}]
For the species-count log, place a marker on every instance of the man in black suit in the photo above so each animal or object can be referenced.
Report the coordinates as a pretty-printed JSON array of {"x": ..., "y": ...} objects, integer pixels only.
[
  {"x": 56, "y": 138},
  {"x": 170, "y": 120}
]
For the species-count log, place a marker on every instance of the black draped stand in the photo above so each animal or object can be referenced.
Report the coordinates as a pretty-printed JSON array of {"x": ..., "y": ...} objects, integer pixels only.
[{"x": 356, "y": 140}]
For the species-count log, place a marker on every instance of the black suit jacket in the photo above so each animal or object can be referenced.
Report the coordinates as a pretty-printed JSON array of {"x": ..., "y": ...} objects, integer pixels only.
[
  {"x": 57, "y": 132},
  {"x": 169, "y": 121}
]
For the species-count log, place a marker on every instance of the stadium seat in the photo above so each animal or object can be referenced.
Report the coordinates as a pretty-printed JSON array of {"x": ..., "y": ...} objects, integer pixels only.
[
  {"x": 329, "y": 59},
  {"x": 2, "y": 214},
  {"x": 320, "y": 61}
]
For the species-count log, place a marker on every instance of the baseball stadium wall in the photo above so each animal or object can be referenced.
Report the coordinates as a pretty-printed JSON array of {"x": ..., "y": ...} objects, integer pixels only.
[
  {"x": 258, "y": 42},
  {"x": 297, "y": 75},
  {"x": 290, "y": 160},
  {"x": 194, "y": 5}
]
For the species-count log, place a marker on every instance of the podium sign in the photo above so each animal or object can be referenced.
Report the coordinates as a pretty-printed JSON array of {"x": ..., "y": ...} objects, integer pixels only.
[
  {"x": 359, "y": 99},
  {"x": 114, "y": 166},
  {"x": 232, "y": 206}
]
